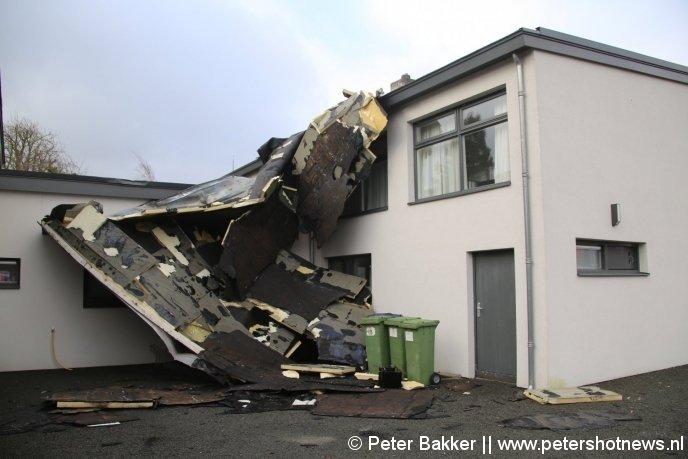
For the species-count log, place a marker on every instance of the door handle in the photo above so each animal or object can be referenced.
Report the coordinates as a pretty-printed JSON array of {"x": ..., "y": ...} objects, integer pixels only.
[{"x": 479, "y": 308}]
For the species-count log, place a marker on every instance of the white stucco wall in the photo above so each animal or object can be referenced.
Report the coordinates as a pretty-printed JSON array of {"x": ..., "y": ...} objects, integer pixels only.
[
  {"x": 612, "y": 136},
  {"x": 51, "y": 297},
  {"x": 596, "y": 136},
  {"x": 420, "y": 253}
]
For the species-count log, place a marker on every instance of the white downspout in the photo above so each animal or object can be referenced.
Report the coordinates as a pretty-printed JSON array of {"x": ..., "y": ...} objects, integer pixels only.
[
  {"x": 526, "y": 220},
  {"x": 311, "y": 247}
]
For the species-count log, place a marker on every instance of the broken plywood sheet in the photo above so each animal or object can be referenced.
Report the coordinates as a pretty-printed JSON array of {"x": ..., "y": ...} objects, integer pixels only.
[
  {"x": 252, "y": 243},
  {"x": 326, "y": 179},
  {"x": 242, "y": 358},
  {"x": 583, "y": 394},
  {"x": 319, "y": 368},
  {"x": 358, "y": 109},
  {"x": 273, "y": 336},
  {"x": 124, "y": 396},
  {"x": 114, "y": 281},
  {"x": 317, "y": 275},
  {"x": 109, "y": 248},
  {"x": 155, "y": 288},
  {"x": 240, "y": 224},
  {"x": 392, "y": 403},
  {"x": 292, "y": 321},
  {"x": 88, "y": 220},
  {"x": 180, "y": 246},
  {"x": 332, "y": 158},
  {"x": 291, "y": 292},
  {"x": 276, "y": 154}
]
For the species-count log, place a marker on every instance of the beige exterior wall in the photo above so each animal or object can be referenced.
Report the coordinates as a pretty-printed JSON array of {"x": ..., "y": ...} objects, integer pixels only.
[
  {"x": 612, "y": 136},
  {"x": 421, "y": 254},
  {"x": 51, "y": 297},
  {"x": 596, "y": 136}
]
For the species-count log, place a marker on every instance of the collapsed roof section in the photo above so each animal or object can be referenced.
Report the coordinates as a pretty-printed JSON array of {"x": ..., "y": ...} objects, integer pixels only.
[{"x": 209, "y": 268}]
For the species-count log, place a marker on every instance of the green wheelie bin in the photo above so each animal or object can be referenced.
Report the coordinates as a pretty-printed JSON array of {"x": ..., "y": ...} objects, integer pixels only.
[
  {"x": 419, "y": 347},
  {"x": 397, "y": 351},
  {"x": 376, "y": 341}
]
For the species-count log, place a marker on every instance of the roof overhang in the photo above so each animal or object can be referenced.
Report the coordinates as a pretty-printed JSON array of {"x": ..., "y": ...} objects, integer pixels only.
[
  {"x": 540, "y": 39},
  {"x": 84, "y": 185}
]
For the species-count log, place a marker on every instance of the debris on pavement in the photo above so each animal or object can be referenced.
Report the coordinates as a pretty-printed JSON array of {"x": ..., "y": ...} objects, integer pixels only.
[
  {"x": 583, "y": 394},
  {"x": 392, "y": 403},
  {"x": 209, "y": 269},
  {"x": 411, "y": 385},
  {"x": 459, "y": 385},
  {"x": 119, "y": 397},
  {"x": 338, "y": 370},
  {"x": 578, "y": 420},
  {"x": 95, "y": 418}
]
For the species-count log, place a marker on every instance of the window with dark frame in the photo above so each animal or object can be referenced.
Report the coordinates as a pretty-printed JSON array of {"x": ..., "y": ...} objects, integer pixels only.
[
  {"x": 356, "y": 265},
  {"x": 463, "y": 149},
  {"x": 96, "y": 295},
  {"x": 10, "y": 273},
  {"x": 371, "y": 194},
  {"x": 607, "y": 258}
]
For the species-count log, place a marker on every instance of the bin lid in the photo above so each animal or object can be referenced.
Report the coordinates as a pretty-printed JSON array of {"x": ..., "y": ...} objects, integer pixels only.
[
  {"x": 397, "y": 321},
  {"x": 415, "y": 324},
  {"x": 376, "y": 319}
]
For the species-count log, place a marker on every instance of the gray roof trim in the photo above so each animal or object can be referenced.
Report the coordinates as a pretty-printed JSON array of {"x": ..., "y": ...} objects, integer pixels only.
[
  {"x": 540, "y": 39},
  {"x": 41, "y": 182}
]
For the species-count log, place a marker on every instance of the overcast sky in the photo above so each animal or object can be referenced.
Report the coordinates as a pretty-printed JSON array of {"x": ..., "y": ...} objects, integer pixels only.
[{"x": 195, "y": 87}]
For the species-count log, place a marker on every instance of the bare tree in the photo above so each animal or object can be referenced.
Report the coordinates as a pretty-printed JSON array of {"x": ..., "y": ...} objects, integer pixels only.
[
  {"x": 144, "y": 169},
  {"x": 30, "y": 148}
]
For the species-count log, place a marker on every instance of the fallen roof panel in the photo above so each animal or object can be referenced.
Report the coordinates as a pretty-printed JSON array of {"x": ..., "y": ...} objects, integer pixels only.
[{"x": 183, "y": 263}]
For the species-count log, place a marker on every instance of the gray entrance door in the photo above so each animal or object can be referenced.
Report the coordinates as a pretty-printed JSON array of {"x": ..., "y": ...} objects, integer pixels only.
[{"x": 495, "y": 315}]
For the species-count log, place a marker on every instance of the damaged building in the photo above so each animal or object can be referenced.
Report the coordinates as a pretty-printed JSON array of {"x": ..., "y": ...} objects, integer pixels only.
[
  {"x": 209, "y": 268},
  {"x": 513, "y": 195}
]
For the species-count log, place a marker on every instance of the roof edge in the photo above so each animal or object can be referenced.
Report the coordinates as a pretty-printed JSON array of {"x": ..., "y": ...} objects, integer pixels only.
[
  {"x": 45, "y": 182},
  {"x": 540, "y": 39}
]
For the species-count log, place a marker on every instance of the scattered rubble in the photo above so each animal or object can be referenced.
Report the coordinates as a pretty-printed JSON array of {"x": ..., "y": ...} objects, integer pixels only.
[
  {"x": 210, "y": 269},
  {"x": 577, "y": 420},
  {"x": 583, "y": 394},
  {"x": 392, "y": 403}
]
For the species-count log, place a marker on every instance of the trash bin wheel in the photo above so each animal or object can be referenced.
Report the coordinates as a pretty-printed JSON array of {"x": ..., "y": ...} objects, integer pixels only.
[{"x": 435, "y": 379}]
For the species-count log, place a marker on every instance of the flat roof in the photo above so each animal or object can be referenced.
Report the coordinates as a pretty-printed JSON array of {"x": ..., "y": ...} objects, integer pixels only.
[
  {"x": 44, "y": 182},
  {"x": 539, "y": 39}
]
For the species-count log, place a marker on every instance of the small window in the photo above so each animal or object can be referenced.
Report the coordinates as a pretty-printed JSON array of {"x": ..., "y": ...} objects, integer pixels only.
[
  {"x": 589, "y": 256},
  {"x": 607, "y": 258},
  {"x": 436, "y": 127},
  {"x": 452, "y": 158},
  {"x": 484, "y": 111},
  {"x": 356, "y": 265},
  {"x": 97, "y": 296},
  {"x": 10, "y": 272},
  {"x": 371, "y": 194}
]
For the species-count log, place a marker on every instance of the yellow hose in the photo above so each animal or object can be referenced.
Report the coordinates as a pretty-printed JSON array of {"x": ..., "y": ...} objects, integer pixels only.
[{"x": 52, "y": 349}]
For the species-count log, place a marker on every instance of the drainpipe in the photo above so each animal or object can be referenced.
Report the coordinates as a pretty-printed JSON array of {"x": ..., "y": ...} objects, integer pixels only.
[
  {"x": 311, "y": 247},
  {"x": 526, "y": 220}
]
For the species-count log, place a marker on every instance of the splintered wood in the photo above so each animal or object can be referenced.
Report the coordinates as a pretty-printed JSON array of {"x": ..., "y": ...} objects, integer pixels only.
[
  {"x": 583, "y": 394},
  {"x": 337, "y": 370}
]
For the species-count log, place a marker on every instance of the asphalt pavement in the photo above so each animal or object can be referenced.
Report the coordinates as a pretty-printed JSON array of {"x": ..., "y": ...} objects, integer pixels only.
[{"x": 466, "y": 419}]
